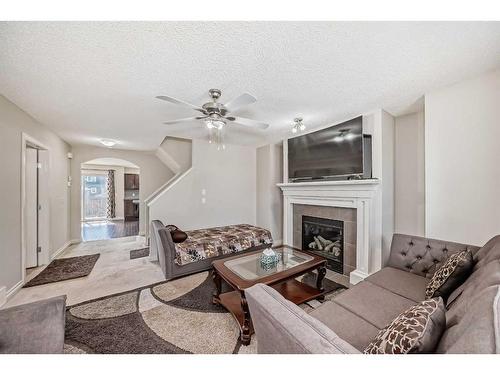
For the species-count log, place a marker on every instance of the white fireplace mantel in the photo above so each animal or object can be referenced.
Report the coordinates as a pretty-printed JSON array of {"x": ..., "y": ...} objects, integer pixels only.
[{"x": 362, "y": 195}]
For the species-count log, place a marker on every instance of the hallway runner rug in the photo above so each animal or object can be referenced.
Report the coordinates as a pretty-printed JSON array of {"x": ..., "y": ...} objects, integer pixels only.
[{"x": 139, "y": 253}]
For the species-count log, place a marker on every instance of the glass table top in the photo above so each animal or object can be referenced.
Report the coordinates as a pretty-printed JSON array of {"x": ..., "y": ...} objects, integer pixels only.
[{"x": 249, "y": 267}]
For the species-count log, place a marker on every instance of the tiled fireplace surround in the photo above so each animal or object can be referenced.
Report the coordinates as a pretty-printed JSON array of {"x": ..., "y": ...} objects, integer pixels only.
[
  {"x": 357, "y": 203},
  {"x": 347, "y": 215}
]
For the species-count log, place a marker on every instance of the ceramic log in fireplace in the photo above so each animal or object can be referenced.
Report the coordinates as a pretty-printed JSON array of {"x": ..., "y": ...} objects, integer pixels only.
[{"x": 324, "y": 237}]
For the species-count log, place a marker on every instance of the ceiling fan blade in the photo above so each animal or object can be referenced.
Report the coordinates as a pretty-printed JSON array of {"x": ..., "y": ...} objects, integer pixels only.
[
  {"x": 172, "y": 122},
  {"x": 180, "y": 102},
  {"x": 240, "y": 101},
  {"x": 247, "y": 122}
]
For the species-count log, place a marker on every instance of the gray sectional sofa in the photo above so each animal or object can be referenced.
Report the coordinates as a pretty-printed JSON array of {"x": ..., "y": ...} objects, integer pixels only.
[
  {"x": 348, "y": 322},
  {"x": 33, "y": 328}
]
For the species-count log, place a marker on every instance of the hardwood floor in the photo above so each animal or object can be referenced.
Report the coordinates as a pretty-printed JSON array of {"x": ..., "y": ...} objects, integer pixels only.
[{"x": 105, "y": 230}]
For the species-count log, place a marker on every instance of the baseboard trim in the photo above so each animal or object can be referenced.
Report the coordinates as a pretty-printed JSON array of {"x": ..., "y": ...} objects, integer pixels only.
[
  {"x": 357, "y": 276},
  {"x": 3, "y": 296},
  {"x": 10, "y": 293},
  {"x": 60, "y": 250},
  {"x": 14, "y": 290}
]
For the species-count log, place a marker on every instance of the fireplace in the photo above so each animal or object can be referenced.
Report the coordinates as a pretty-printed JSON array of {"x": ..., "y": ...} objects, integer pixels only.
[{"x": 324, "y": 237}]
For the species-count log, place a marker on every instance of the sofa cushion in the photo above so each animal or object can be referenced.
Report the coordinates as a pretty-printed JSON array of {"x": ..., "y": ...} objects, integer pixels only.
[
  {"x": 376, "y": 305},
  {"x": 450, "y": 275},
  {"x": 416, "y": 330},
  {"x": 422, "y": 256},
  {"x": 33, "y": 328},
  {"x": 486, "y": 276},
  {"x": 479, "y": 329},
  {"x": 349, "y": 326},
  {"x": 283, "y": 327},
  {"x": 405, "y": 284},
  {"x": 487, "y": 251}
]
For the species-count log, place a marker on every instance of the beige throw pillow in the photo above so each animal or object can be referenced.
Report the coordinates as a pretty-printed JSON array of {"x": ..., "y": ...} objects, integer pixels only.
[{"x": 416, "y": 330}]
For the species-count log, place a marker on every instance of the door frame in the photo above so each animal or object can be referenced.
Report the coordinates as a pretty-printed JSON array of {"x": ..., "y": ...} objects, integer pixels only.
[{"x": 44, "y": 225}]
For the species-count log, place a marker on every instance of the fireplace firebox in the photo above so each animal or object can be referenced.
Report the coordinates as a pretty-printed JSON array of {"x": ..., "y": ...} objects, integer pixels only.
[{"x": 324, "y": 237}]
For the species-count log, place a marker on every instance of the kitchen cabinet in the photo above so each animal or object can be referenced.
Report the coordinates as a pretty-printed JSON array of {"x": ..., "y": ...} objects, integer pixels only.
[
  {"x": 131, "y": 202},
  {"x": 131, "y": 209},
  {"x": 131, "y": 181}
]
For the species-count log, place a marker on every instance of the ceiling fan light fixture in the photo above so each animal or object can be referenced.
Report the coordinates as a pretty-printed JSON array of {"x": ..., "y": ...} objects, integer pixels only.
[
  {"x": 215, "y": 115},
  {"x": 214, "y": 123},
  {"x": 298, "y": 125}
]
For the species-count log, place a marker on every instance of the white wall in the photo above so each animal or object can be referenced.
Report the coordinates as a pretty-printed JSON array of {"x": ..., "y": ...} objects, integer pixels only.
[
  {"x": 119, "y": 184},
  {"x": 380, "y": 125},
  {"x": 228, "y": 180},
  {"x": 180, "y": 150},
  {"x": 152, "y": 171},
  {"x": 462, "y": 171},
  {"x": 129, "y": 170},
  {"x": 13, "y": 122},
  {"x": 387, "y": 123},
  {"x": 269, "y": 196},
  {"x": 409, "y": 174}
]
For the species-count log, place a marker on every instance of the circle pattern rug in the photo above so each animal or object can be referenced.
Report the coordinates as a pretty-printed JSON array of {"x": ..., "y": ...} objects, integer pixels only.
[{"x": 172, "y": 317}]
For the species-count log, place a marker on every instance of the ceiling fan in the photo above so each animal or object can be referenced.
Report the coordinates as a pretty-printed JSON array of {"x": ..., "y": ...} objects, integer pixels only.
[{"x": 217, "y": 115}]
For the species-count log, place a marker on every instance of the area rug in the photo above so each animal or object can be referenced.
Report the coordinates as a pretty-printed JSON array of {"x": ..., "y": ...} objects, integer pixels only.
[
  {"x": 173, "y": 317},
  {"x": 139, "y": 253},
  {"x": 64, "y": 269}
]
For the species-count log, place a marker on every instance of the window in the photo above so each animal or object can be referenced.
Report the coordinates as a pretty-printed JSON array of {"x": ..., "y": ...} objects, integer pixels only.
[{"x": 94, "y": 196}]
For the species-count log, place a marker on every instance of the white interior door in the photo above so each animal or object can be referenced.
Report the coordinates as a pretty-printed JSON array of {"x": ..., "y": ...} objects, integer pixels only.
[
  {"x": 43, "y": 208},
  {"x": 31, "y": 208}
]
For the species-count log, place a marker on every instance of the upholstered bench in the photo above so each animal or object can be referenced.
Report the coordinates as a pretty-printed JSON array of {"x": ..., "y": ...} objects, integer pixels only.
[{"x": 203, "y": 246}]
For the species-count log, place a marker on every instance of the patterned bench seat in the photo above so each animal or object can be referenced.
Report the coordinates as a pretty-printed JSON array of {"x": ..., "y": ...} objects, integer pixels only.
[{"x": 213, "y": 242}]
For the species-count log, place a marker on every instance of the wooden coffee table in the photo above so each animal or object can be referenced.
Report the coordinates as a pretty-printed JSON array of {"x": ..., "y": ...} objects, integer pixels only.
[{"x": 243, "y": 271}]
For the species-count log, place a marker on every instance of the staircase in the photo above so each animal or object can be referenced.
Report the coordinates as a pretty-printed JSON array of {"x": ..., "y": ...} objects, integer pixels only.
[{"x": 176, "y": 154}]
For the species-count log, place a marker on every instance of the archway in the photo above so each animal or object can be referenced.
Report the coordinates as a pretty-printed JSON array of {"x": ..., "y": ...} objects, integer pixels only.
[{"x": 109, "y": 198}]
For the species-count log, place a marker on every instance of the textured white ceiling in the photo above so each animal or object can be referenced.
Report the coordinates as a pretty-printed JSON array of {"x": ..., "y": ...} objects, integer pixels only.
[{"x": 90, "y": 80}]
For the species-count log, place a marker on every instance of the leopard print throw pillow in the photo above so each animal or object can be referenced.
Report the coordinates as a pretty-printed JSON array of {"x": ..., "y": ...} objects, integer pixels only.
[
  {"x": 450, "y": 275},
  {"x": 417, "y": 330}
]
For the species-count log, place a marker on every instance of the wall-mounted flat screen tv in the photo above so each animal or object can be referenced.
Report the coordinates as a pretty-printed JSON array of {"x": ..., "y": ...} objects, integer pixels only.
[{"x": 327, "y": 153}]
